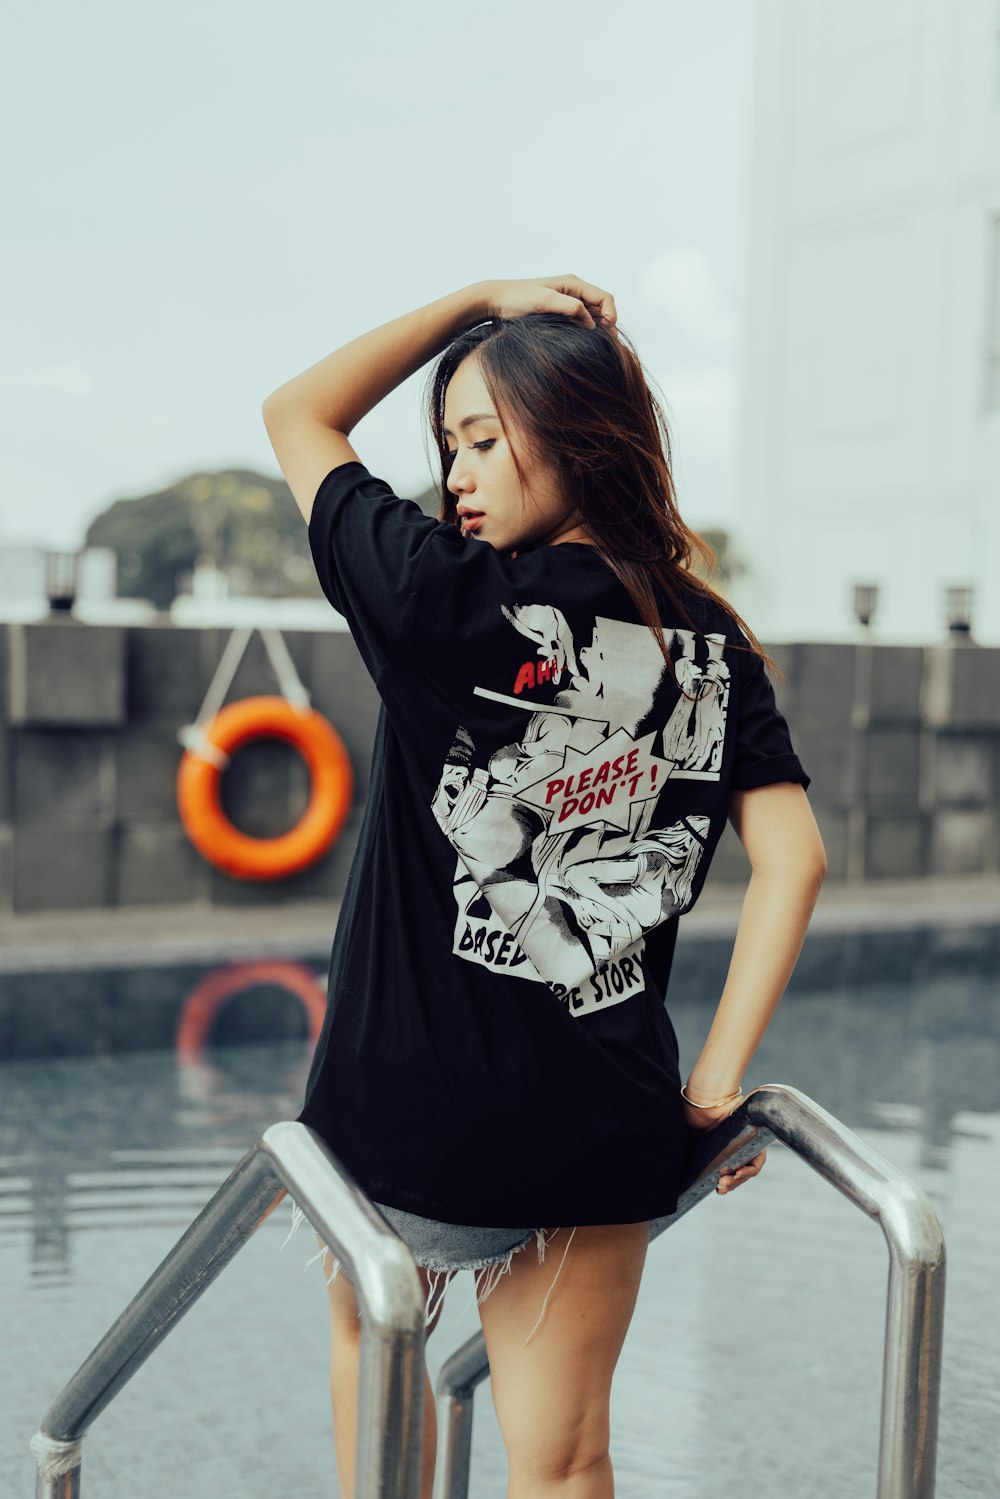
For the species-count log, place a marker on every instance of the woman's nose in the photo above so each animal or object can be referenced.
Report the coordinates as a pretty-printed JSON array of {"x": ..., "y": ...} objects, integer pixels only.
[{"x": 458, "y": 482}]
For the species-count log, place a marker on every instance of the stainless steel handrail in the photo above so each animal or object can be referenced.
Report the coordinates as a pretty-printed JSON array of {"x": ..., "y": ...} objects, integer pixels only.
[
  {"x": 914, "y": 1327},
  {"x": 289, "y": 1157}
]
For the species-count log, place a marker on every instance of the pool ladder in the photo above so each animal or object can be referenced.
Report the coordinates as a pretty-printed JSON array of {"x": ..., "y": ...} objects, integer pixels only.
[{"x": 290, "y": 1158}]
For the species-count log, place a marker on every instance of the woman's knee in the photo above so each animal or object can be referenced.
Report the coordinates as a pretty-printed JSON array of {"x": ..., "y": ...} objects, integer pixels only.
[{"x": 548, "y": 1444}]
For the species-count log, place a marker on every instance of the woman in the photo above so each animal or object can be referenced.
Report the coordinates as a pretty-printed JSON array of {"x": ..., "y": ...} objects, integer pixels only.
[{"x": 568, "y": 717}]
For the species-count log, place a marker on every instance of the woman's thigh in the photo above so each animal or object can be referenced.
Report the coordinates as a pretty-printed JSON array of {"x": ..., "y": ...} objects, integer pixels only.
[{"x": 551, "y": 1381}]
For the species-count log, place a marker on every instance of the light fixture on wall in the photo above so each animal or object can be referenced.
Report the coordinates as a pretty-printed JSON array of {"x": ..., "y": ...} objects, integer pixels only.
[
  {"x": 865, "y": 602},
  {"x": 61, "y": 573},
  {"x": 958, "y": 608}
]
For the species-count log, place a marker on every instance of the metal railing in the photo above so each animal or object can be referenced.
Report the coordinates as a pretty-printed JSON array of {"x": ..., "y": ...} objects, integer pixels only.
[
  {"x": 290, "y": 1158},
  {"x": 914, "y": 1325}
]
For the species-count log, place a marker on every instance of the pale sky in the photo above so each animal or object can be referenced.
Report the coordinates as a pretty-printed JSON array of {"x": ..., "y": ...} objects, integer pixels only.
[{"x": 204, "y": 199}]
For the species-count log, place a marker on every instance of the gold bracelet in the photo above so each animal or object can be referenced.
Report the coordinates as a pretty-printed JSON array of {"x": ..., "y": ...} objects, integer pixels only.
[{"x": 718, "y": 1102}]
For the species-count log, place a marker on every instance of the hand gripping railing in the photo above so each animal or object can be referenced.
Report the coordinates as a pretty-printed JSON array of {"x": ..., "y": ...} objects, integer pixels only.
[
  {"x": 914, "y": 1324},
  {"x": 288, "y": 1157}
]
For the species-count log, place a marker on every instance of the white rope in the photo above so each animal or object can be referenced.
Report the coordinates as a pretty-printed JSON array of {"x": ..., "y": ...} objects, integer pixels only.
[
  {"x": 55, "y": 1458},
  {"x": 284, "y": 669},
  {"x": 194, "y": 736},
  {"x": 222, "y": 678}
]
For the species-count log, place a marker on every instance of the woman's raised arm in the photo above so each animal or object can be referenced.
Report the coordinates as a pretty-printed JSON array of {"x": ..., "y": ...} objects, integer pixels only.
[
  {"x": 309, "y": 417},
  {"x": 342, "y": 388}
]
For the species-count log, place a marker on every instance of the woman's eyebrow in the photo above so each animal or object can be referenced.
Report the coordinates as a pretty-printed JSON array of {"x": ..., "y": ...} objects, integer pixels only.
[{"x": 467, "y": 421}]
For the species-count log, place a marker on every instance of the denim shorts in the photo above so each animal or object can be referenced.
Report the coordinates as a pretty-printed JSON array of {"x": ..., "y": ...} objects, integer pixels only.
[{"x": 443, "y": 1249}]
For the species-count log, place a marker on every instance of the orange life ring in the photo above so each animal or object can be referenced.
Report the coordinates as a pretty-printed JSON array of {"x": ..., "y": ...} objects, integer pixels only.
[
  {"x": 200, "y": 807},
  {"x": 211, "y": 992}
]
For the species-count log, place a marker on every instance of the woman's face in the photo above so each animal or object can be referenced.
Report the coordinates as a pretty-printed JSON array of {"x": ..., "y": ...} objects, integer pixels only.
[{"x": 483, "y": 478}]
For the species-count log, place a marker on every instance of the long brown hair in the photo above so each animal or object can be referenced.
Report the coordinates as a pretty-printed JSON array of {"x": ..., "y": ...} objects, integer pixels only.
[{"x": 581, "y": 397}]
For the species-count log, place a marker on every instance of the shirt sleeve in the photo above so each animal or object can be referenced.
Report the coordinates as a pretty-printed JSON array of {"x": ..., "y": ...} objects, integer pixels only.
[
  {"x": 764, "y": 752},
  {"x": 367, "y": 546}
]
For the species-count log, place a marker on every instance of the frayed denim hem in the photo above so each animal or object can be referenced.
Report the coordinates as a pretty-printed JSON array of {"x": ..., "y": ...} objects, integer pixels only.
[{"x": 495, "y": 1266}]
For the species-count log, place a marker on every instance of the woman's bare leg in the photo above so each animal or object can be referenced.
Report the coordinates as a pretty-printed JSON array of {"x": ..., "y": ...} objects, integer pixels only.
[
  {"x": 551, "y": 1382},
  {"x": 345, "y": 1359}
]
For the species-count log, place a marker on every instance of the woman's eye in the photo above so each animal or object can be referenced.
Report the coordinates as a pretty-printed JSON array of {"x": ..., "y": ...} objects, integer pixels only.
[{"x": 485, "y": 444}]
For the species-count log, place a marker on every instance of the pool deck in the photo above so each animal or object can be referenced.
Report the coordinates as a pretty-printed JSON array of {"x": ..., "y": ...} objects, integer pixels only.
[{"x": 162, "y": 934}]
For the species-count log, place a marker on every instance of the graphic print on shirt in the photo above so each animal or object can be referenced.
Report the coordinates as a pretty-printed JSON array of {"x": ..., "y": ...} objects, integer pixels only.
[{"x": 561, "y": 867}]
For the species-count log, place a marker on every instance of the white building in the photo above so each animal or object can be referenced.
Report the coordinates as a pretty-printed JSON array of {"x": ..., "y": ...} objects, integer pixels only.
[{"x": 870, "y": 424}]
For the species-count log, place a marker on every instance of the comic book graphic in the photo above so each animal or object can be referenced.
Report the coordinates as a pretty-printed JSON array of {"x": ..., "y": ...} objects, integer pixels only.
[{"x": 562, "y": 864}]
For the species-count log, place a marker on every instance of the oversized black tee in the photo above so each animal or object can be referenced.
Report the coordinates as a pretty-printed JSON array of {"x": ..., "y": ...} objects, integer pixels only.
[{"x": 543, "y": 806}]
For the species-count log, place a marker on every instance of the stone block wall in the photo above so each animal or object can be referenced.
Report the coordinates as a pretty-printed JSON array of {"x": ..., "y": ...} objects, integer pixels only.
[
  {"x": 903, "y": 746},
  {"x": 902, "y": 743}
]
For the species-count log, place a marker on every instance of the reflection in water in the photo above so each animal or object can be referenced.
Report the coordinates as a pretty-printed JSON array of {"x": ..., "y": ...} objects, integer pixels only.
[{"x": 133, "y": 1140}]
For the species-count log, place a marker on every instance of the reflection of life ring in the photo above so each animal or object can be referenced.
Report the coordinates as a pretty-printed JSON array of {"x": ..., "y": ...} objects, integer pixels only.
[
  {"x": 207, "y": 997},
  {"x": 200, "y": 807}
]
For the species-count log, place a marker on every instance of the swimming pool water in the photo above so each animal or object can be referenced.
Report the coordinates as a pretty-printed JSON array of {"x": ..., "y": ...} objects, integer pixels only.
[{"x": 754, "y": 1356}]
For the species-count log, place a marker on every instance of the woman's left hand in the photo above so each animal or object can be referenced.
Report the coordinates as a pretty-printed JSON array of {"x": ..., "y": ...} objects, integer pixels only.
[
  {"x": 576, "y": 299},
  {"x": 699, "y": 1120},
  {"x": 729, "y": 1180}
]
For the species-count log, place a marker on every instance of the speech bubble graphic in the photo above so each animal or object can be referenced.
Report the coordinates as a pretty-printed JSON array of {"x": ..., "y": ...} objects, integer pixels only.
[{"x": 601, "y": 784}]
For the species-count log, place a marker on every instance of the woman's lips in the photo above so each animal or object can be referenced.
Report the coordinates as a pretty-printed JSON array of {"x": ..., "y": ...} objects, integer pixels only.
[{"x": 470, "y": 522}]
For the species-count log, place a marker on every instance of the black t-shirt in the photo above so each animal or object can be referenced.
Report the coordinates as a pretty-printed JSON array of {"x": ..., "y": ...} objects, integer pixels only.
[{"x": 543, "y": 805}]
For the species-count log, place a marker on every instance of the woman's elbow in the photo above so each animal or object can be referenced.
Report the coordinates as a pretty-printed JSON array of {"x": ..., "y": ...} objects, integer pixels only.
[{"x": 779, "y": 833}]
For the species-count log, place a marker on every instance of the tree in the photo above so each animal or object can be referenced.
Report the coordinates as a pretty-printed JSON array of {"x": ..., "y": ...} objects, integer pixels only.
[{"x": 244, "y": 522}]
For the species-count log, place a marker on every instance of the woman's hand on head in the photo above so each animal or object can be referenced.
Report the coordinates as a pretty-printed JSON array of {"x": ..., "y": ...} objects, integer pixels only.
[
  {"x": 700, "y": 1120},
  {"x": 580, "y": 300}
]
